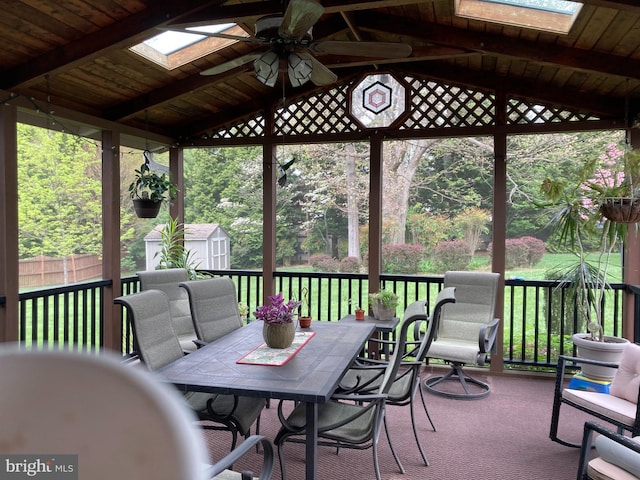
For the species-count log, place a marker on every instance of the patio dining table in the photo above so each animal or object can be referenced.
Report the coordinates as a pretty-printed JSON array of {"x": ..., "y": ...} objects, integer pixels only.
[{"x": 310, "y": 376}]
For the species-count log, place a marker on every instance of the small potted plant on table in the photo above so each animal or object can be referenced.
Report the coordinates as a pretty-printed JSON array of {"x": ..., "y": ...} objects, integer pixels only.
[
  {"x": 383, "y": 304},
  {"x": 305, "y": 320}
]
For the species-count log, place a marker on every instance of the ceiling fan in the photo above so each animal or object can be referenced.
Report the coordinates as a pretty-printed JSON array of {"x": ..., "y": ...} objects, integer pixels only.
[{"x": 290, "y": 42}]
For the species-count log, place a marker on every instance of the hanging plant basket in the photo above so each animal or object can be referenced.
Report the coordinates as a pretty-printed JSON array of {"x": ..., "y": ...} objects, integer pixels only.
[
  {"x": 621, "y": 209},
  {"x": 146, "y": 208}
]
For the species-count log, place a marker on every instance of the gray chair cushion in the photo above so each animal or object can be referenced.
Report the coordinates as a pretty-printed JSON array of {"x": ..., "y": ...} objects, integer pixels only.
[
  {"x": 214, "y": 307},
  {"x": 168, "y": 281}
]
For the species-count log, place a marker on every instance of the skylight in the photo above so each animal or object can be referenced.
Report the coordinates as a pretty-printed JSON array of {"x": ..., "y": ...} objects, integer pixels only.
[
  {"x": 172, "y": 49},
  {"x": 555, "y": 16}
]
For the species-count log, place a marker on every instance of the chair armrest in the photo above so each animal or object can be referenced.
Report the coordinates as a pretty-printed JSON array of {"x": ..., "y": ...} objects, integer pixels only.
[
  {"x": 369, "y": 397},
  {"x": 369, "y": 362},
  {"x": 587, "y": 444},
  {"x": 487, "y": 335},
  {"x": 241, "y": 450},
  {"x": 199, "y": 343},
  {"x": 564, "y": 359}
]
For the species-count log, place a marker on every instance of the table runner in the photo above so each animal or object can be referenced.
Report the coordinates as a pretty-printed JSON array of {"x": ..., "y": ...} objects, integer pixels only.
[{"x": 263, "y": 355}]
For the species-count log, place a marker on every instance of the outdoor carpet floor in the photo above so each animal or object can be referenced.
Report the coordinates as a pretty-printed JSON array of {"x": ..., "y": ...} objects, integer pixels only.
[{"x": 503, "y": 436}]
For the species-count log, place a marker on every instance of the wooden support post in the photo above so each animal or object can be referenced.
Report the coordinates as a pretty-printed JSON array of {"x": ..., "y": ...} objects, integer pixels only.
[
  {"x": 112, "y": 333},
  {"x": 9, "y": 267},
  {"x": 631, "y": 267},
  {"x": 499, "y": 221}
]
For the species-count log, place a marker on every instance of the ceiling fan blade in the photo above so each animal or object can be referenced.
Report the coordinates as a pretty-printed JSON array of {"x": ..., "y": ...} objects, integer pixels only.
[
  {"x": 320, "y": 74},
  {"x": 231, "y": 64},
  {"x": 299, "y": 17},
  {"x": 362, "y": 49}
]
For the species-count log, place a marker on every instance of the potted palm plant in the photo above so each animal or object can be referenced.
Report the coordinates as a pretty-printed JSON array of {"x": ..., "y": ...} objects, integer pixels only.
[
  {"x": 579, "y": 221},
  {"x": 150, "y": 189}
]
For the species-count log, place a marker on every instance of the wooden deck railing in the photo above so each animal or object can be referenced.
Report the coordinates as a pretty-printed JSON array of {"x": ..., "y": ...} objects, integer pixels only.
[{"x": 538, "y": 318}]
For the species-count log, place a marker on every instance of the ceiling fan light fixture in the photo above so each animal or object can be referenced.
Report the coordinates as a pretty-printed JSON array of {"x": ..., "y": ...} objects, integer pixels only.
[
  {"x": 299, "y": 68},
  {"x": 266, "y": 67}
]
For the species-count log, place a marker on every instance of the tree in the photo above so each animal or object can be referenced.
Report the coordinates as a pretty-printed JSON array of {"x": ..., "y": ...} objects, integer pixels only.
[
  {"x": 473, "y": 222},
  {"x": 59, "y": 194},
  {"x": 401, "y": 160}
]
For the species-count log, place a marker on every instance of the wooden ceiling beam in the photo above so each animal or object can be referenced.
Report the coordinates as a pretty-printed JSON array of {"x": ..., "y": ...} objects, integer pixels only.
[
  {"x": 127, "y": 32},
  {"x": 575, "y": 58}
]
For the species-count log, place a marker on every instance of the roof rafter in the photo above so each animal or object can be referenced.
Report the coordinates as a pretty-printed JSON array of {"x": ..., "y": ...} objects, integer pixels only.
[
  {"x": 494, "y": 44},
  {"x": 133, "y": 29}
]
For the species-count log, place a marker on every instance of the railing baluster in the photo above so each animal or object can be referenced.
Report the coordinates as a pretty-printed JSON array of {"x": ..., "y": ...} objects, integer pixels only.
[{"x": 71, "y": 316}]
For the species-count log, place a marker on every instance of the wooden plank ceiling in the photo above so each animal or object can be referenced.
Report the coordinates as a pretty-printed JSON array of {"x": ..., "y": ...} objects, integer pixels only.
[{"x": 75, "y": 55}]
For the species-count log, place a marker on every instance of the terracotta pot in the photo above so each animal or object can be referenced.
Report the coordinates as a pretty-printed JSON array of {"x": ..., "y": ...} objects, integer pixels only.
[
  {"x": 359, "y": 314},
  {"x": 279, "y": 335},
  {"x": 608, "y": 351},
  {"x": 305, "y": 322}
]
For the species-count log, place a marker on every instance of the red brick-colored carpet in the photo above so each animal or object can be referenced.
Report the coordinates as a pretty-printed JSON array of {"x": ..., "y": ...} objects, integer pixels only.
[{"x": 503, "y": 436}]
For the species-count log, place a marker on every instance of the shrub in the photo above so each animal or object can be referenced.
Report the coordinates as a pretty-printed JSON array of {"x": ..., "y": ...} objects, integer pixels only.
[
  {"x": 452, "y": 255},
  {"x": 522, "y": 252},
  {"x": 536, "y": 248},
  {"x": 516, "y": 253},
  {"x": 350, "y": 265},
  {"x": 403, "y": 258},
  {"x": 323, "y": 262}
]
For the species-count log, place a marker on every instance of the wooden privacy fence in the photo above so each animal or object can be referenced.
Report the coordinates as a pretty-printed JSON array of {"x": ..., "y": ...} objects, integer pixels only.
[{"x": 44, "y": 271}]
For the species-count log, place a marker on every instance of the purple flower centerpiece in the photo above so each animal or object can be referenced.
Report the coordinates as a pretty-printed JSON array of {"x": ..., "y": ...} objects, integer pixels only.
[
  {"x": 278, "y": 329},
  {"x": 277, "y": 311}
]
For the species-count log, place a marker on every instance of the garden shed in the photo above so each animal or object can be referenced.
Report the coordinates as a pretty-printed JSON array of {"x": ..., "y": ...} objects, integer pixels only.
[{"x": 209, "y": 243}]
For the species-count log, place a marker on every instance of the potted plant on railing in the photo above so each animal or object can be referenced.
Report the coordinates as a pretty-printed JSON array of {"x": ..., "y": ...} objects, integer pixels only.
[
  {"x": 150, "y": 189},
  {"x": 383, "y": 304},
  {"x": 579, "y": 221}
]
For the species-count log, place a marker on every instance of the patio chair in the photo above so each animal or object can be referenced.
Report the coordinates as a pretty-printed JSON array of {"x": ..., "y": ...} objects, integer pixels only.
[
  {"x": 618, "y": 456},
  {"x": 466, "y": 334},
  {"x": 168, "y": 281},
  {"x": 214, "y": 307},
  {"x": 159, "y": 346},
  {"x": 366, "y": 375},
  {"x": 105, "y": 420},
  {"x": 349, "y": 420},
  {"x": 619, "y": 407}
]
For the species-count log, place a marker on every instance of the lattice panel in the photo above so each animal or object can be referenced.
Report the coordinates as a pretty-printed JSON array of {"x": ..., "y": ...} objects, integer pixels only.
[
  {"x": 435, "y": 105},
  {"x": 320, "y": 113},
  {"x": 250, "y": 127},
  {"x": 523, "y": 112}
]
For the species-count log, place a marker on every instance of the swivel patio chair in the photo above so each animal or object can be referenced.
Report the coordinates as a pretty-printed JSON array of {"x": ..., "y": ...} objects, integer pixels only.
[
  {"x": 105, "y": 420},
  {"x": 350, "y": 420},
  {"x": 466, "y": 334},
  {"x": 159, "y": 346},
  {"x": 618, "y": 456},
  {"x": 168, "y": 281},
  {"x": 619, "y": 407},
  {"x": 366, "y": 375},
  {"x": 214, "y": 307}
]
